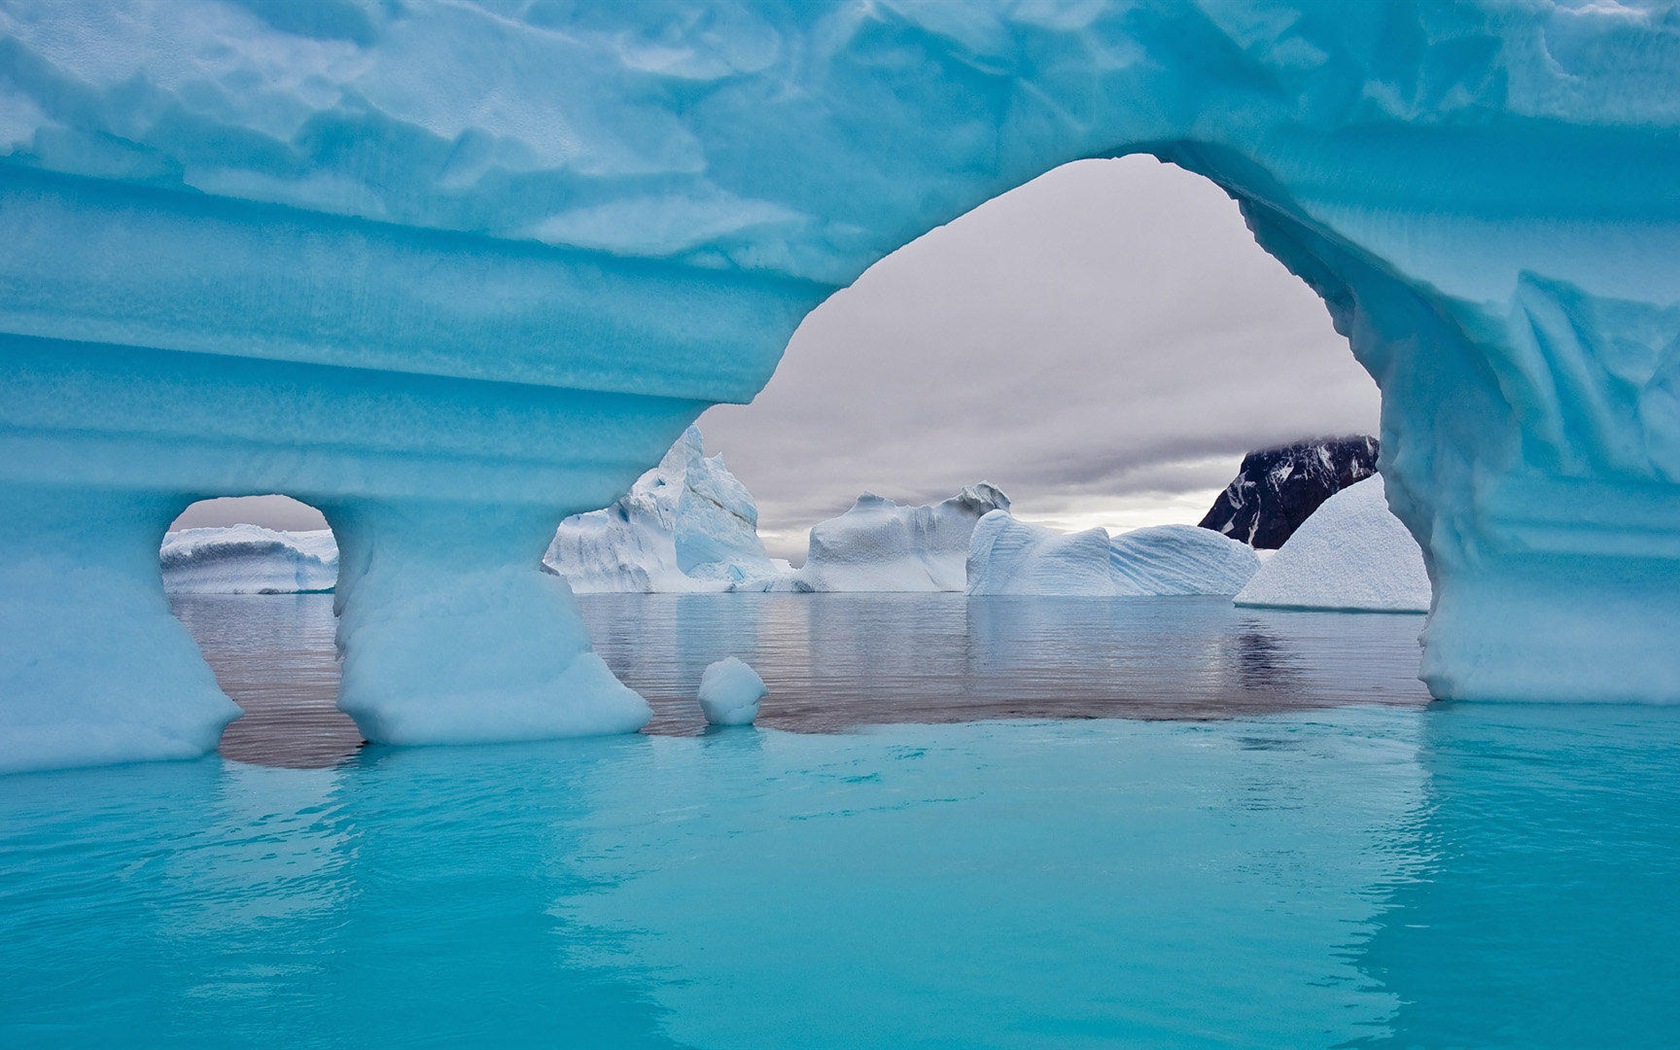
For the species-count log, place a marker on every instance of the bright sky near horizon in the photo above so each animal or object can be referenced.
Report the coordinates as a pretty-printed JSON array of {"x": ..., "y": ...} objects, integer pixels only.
[{"x": 1103, "y": 344}]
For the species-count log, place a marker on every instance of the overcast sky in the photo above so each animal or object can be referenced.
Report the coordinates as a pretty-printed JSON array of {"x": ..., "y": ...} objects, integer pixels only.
[{"x": 1103, "y": 344}]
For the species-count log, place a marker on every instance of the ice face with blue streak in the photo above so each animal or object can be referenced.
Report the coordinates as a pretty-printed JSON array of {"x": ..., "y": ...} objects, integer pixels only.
[{"x": 454, "y": 272}]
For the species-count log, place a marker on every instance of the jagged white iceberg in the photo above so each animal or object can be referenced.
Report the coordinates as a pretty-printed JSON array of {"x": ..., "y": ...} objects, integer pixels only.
[
  {"x": 730, "y": 691},
  {"x": 248, "y": 559},
  {"x": 1011, "y": 556},
  {"x": 686, "y": 525},
  {"x": 453, "y": 272},
  {"x": 878, "y": 545},
  {"x": 1351, "y": 554}
]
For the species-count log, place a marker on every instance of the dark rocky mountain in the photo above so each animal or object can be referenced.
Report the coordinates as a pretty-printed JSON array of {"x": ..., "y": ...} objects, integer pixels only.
[{"x": 1277, "y": 488}]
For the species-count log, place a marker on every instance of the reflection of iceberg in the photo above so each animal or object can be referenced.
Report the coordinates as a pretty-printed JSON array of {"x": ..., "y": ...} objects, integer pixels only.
[
  {"x": 1542, "y": 914},
  {"x": 878, "y": 545},
  {"x": 1239, "y": 844},
  {"x": 1010, "y": 556},
  {"x": 247, "y": 559},
  {"x": 686, "y": 525},
  {"x": 1352, "y": 553}
]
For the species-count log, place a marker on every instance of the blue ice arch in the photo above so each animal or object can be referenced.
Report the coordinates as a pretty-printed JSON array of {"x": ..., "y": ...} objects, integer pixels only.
[{"x": 452, "y": 271}]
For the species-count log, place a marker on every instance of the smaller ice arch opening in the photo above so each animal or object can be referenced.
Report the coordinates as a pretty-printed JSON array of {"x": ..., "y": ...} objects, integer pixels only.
[{"x": 252, "y": 578}]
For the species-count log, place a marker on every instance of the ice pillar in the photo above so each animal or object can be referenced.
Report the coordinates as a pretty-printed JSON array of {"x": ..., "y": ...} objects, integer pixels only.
[
  {"x": 1532, "y": 446},
  {"x": 94, "y": 669},
  {"x": 451, "y": 633}
]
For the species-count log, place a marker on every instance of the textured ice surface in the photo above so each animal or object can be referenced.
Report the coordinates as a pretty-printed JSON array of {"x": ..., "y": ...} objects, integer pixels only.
[
  {"x": 453, "y": 272},
  {"x": 686, "y": 525},
  {"x": 248, "y": 559},
  {"x": 878, "y": 545},
  {"x": 730, "y": 692},
  {"x": 1352, "y": 553},
  {"x": 1011, "y": 556}
]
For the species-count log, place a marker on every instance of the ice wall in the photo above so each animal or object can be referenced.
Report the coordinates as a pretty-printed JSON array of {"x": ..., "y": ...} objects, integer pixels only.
[
  {"x": 1351, "y": 554},
  {"x": 878, "y": 545},
  {"x": 429, "y": 265},
  {"x": 1011, "y": 556},
  {"x": 248, "y": 559},
  {"x": 686, "y": 525}
]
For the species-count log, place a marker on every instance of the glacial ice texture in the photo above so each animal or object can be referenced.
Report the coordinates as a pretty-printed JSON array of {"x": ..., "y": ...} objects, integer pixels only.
[
  {"x": 248, "y": 559},
  {"x": 1351, "y": 554},
  {"x": 454, "y": 272},
  {"x": 686, "y": 525},
  {"x": 1011, "y": 556},
  {"x": 878, "y": 545},
  {"x": 730, "y": 692}
]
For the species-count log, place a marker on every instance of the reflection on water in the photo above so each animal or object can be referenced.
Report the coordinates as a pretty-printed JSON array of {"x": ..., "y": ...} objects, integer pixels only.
[
  {"x": 1457, "y": 875},
  {"x": 837, "y": 661},
  {"x": 274, "y": 655}
]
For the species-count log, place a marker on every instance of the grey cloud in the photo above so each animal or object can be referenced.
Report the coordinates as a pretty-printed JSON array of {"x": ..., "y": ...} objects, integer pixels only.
[{"x": 1107, "y": 332}]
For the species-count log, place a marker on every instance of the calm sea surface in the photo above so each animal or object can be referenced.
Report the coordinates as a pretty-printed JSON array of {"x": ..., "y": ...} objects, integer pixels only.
[
  {"x": 1276, "y": 845},
  {"x": 834, "y": 662}
]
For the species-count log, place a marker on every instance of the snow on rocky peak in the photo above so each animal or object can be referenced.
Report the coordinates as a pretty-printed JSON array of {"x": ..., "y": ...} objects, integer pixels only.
[{"x": 1277, "y": 489}]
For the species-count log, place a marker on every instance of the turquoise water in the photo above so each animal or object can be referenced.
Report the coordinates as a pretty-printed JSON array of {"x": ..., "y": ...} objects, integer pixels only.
[{"x": 1456, "y": 875}]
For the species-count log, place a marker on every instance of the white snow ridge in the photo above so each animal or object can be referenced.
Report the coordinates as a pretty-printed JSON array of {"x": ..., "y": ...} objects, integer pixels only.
[
  {"x": 878, "y": 545},
  {"x": 1010, "y": 556},
  {"x": 248, "y": 559},
  {"x": 1352, "y": 554}
]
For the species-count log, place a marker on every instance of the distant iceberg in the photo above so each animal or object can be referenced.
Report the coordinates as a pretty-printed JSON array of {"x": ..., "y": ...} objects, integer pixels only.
[
  {"x": 1011, "y": 556},
  {"x": 686, "y": 525},
  {"x": 248, "y": 559},
  {"x": 1351, "y": 554},
  {"x": 878, "y": 545}
]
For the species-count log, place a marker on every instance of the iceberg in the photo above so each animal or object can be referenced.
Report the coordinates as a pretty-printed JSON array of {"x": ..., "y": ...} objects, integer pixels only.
[
  {"x": 686, "y": 525},
  {"x": 1352, "y": 554},
  {"x": 248, "y": 559},
  {"x": 1011, "y": 556},
  {"x": 248, "y": 251},
  {"x": 730, "y": 692},
  {"x": 878, "y": 545}
]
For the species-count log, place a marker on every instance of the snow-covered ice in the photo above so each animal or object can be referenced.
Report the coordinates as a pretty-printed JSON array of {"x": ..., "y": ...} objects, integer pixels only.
[
  {"x": 1351, "y": 554},
  {"x": 878, "y": 545},
  {"x": 453, "y": 272},
  {"x": 1011, "y": 556},
  {"x": 248, "y": 559},
  {"x": 686, "y": 525},
  {"x": 730, "y": 691}
]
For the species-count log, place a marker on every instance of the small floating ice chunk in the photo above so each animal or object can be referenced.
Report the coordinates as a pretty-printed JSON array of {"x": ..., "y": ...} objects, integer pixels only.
[{"x": 730, "y": 692}]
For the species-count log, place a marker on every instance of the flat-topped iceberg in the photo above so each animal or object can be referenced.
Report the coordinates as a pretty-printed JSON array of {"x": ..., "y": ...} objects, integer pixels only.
[
  {"x": 1351, "y": 554},
  {"x": 878, "y": 545},
  {"x": 1011, "y": 556},
  {"x": 248, "y": 559},
  {"x": 686, "y": 525}
]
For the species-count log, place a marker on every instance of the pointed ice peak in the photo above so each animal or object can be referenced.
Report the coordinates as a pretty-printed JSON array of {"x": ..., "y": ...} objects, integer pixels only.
[{"x": 982, "y": 498}]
